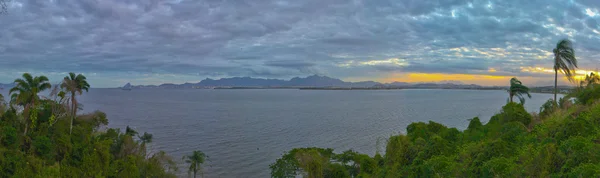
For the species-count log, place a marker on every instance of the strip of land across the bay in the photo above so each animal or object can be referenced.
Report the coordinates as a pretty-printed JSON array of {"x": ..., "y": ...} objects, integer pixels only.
[{"x": 316, "y": 82}]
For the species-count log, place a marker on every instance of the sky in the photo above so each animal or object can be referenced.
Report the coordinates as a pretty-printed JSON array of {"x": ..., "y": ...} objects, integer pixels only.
[{"x": 113, "y": 42}]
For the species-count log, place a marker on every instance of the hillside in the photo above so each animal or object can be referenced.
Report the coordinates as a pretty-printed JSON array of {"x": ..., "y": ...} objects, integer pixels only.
[{"x": 561, "y": 141}]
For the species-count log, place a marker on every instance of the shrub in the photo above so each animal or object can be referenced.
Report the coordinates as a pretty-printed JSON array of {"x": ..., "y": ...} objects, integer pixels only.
[
  {"x": 515, "y": 112},
  {"x": 9, "y": 136},
  {"x": 43, "y": 147},
  {"x": 587, "y": 95},
  {"x": 474, "y": 124}
]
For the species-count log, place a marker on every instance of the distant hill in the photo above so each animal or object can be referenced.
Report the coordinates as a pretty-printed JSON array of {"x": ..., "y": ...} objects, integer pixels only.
[
  {"x": 126, "y": 86},
  {"x": 242, "y": 82},
  {"x": 303, "y": 82}
]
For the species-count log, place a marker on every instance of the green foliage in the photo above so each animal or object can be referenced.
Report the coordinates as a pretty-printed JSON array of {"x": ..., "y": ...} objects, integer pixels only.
[
  {"x": 499, "y": 167},
  {"x": 518, "y": 89},
  {"x": 337, "y": 171},
  {"x": 585, "y": 170},
  {"x": 73, "y": 84},
  {"x": 48, "y": 150},
  {"x": 43, "y": 147},
  {"x": 196, "y": 159},
  {"x": 587, "y": 95},
  {"x": 512, "y": 112},
  {"x": 475, "y": 124},
  {"x": 509, "y": 145},
  {"x": 548, "y": 108},
  {"x": 320, "y": 162},
  {"x": 9, "y": 136}
]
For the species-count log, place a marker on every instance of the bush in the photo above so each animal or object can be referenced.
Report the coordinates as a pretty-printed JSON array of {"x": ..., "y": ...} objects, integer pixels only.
[
  {"x": 570, "y": 127},
  {"x": 579, "y": 150},
  {"x": 513, "y": 132},
  {"x": 9, "y": 136},
  {"x": 474, "y": 124},
  {"x": 499, "y": 167},
  {"x": 514, "y": 112},
  {"x": 439, "y": 166},
  {"x": 43, "y": 147},
  {"x": 547, "y": 108},
  {"x": 585, "y": 170},
  {"x": 587, "y": 95}
]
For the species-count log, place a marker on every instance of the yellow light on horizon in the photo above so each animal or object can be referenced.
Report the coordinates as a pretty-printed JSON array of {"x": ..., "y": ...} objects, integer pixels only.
[
  {"x": 437, "y": 77},
  {"x": 550, "y": 70}
]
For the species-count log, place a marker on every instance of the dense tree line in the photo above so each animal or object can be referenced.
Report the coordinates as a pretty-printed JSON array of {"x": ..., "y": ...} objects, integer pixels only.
[
  {"x": 43, "y": 136},
  {"x": 513, "y": 143}
]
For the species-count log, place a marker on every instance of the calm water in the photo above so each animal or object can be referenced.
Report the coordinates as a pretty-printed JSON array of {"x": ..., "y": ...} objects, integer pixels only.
[{"x": 243, "y": 131}]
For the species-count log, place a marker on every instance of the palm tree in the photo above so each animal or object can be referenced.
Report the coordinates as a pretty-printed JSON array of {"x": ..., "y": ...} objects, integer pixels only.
[
  {"x": 195, "y": 160},
  {"x": 565, "y": 61},
  {"x": 590, "y": 80},
  {"x": 25, "y": 93},
  {"x": 145, "y": 139},
  {"x": 518, "y": 89},
  {"x": 74, "y": 85}
]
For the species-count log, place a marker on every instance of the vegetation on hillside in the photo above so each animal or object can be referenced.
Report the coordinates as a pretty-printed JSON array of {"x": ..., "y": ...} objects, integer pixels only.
[
  {"x": 36, "y": 138},
  {"x": 513, "y": 143}
]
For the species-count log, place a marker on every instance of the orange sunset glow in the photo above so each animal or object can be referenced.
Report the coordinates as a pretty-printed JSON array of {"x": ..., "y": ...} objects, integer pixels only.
[
  {"x": 485, "y": 79},
  {"x": 437, "y": 77}
]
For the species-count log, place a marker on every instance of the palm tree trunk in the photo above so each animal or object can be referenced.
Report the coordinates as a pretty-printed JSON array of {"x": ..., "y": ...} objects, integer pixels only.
[
  {"x": 26, "y": 117},
  {"x": 26, "y": 126},
  {"x": 511, "y": 97},
  {"x": 555, "y": 83},
  {"x": 72, "y": 111}
]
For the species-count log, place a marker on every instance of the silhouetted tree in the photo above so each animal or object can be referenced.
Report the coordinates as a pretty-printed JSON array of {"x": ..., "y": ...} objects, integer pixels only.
[
  {"x": 590, "y": 80},
  {"x": 565, "y": 61},
  {"x": 518, "y": 89}
]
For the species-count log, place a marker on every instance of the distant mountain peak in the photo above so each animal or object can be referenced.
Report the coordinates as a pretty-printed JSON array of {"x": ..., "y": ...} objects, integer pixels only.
[{"x": 128, "y": 85}]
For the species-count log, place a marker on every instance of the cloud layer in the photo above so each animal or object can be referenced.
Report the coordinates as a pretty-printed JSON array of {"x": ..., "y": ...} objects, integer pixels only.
[{"x": 154, "y": 41}]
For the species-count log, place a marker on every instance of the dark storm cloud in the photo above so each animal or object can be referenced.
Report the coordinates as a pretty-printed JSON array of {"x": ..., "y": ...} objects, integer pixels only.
[{"x": 186, "y": 39}]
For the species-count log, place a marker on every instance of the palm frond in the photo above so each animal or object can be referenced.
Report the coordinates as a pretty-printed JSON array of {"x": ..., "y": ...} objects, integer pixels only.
[
  {"x": 517, "y": 89},
  {"x": 44, "y": 86},
  {"x": 28, "y": 77}
]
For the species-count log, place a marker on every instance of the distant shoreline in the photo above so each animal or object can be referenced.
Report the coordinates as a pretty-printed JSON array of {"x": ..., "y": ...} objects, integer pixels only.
[{"x": 350, "y": 88}]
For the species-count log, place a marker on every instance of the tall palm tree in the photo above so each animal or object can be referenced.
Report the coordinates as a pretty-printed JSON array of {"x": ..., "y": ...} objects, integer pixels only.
[
  {"x": 518, "y": 89},
  {"x": 25, "y": 93},
  {"x": 74, "y": 84},
  {"x": 565, "y": 61},
  {"x": 196, "y": 159}
]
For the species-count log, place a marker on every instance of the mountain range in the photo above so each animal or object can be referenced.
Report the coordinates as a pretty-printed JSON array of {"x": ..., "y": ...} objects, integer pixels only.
[{"x": 299, "y": 82}]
